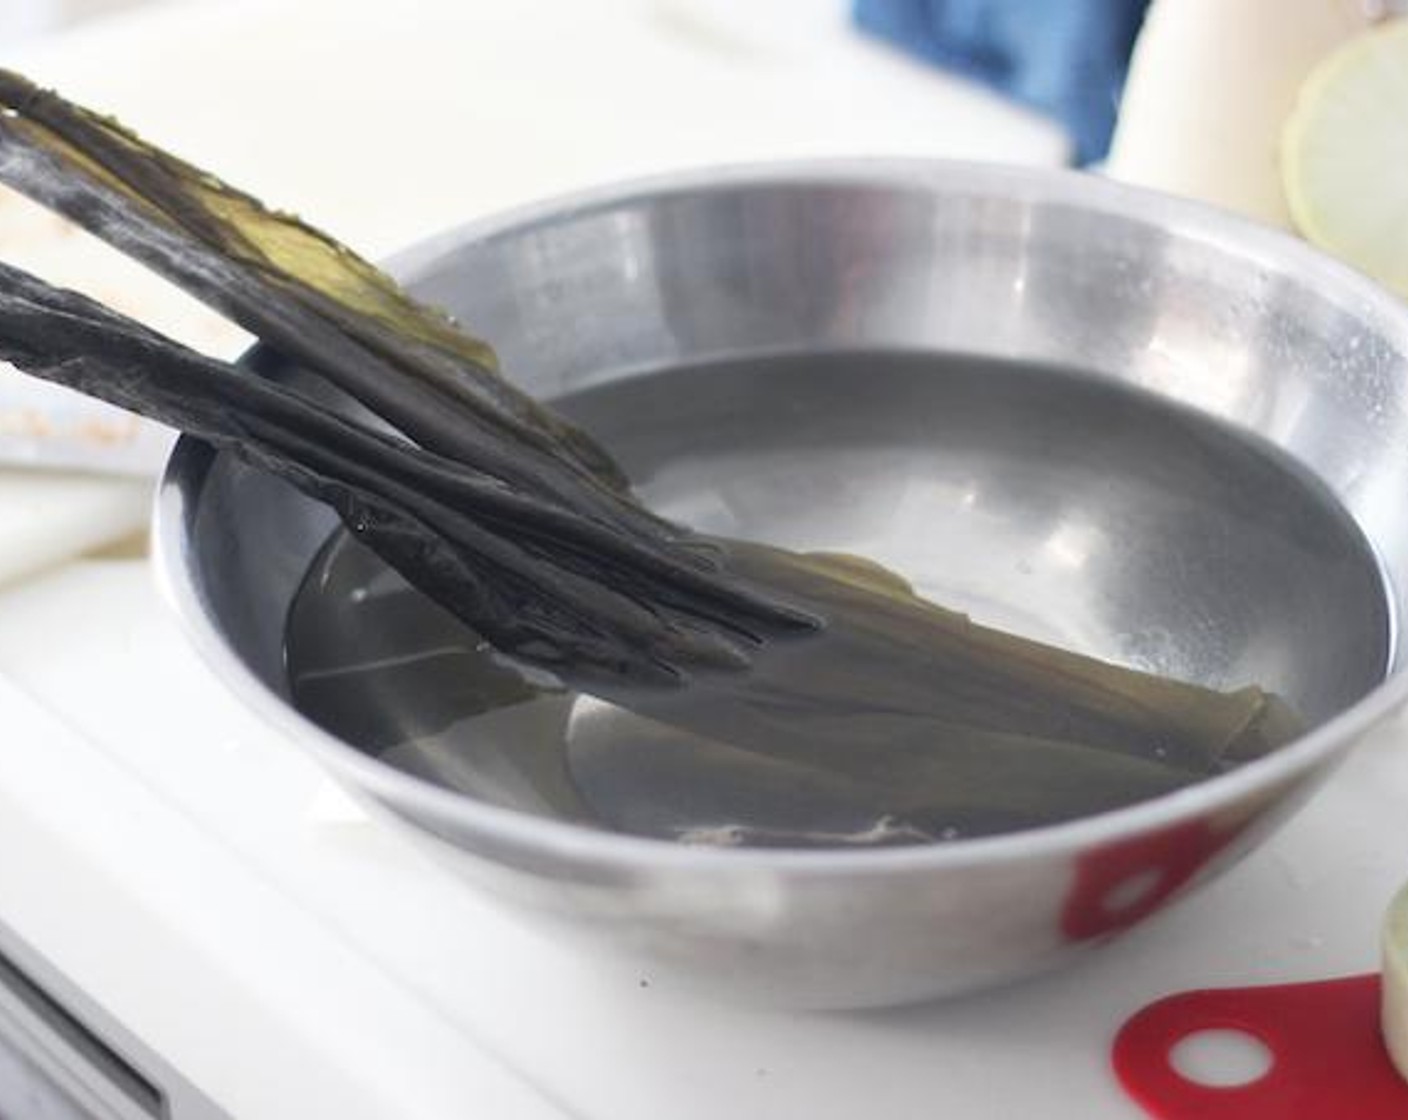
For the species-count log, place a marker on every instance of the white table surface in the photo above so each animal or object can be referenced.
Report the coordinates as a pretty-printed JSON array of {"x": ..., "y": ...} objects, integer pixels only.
[{"x": 456, "y": 1005}]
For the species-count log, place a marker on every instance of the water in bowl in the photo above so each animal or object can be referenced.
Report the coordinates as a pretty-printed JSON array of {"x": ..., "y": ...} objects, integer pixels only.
[{"x": 1068, "y": 509}]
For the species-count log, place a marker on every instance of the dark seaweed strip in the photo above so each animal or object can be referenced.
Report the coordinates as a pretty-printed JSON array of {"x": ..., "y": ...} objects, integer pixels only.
[
  {"x": 599, "y": 613},
  {"x": 300, "y": 291},
  {"x": 317, "y": 268}
]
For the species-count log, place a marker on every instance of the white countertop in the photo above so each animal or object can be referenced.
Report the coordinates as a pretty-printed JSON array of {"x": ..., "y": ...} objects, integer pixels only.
[{"x": 179, "y": 853}]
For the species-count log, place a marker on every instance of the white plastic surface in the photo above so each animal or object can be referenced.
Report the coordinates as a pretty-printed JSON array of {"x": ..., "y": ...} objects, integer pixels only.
[
  {"x": 48, "y": 516},
  {"x": 163, "y": 919}
]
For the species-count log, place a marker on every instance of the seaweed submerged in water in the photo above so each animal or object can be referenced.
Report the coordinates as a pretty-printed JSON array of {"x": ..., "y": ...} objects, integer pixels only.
[{"x": 522, "y": 526}]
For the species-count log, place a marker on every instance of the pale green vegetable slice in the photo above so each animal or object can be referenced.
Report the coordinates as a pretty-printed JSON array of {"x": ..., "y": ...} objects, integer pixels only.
[{"x": 1344, "y": 155}]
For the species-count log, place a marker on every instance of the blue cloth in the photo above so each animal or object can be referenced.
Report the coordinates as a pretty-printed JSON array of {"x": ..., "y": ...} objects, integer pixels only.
[{"x": 1064, "y": 58}]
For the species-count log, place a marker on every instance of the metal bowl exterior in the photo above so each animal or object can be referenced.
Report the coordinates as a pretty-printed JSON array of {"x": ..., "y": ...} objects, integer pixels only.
[{"x": 1188, "y": 303}]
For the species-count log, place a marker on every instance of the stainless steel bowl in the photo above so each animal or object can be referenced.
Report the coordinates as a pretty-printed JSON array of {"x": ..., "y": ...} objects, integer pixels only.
[{"x": 1048, "y": 512}]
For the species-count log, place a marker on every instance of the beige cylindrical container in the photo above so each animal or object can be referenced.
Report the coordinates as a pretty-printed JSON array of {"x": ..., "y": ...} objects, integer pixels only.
[
  {"x": 1396, "y": 982},
  {"x": 1210, "y": 84}
]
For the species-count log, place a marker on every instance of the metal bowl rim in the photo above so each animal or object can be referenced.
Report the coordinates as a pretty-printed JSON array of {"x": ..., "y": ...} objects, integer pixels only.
[{"x": 191, "y": 460}]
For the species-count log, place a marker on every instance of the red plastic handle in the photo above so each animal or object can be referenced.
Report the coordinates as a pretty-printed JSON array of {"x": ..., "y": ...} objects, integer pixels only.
[{"x": 1329, "y": 1061}]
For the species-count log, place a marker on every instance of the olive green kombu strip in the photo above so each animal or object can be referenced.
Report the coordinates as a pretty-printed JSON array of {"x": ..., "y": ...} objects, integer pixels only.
[
  {"x": 296, "y": 288},
  {"x": 519, "y": 524},
  {"x": 532, "y": 576}
]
